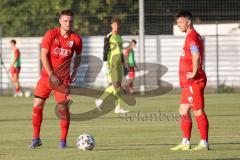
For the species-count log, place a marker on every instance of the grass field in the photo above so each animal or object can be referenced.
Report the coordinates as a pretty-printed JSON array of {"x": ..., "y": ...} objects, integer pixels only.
[{"x": 136, "y": 136}]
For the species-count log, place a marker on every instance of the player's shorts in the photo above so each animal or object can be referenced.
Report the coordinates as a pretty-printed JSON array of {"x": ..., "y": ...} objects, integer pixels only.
[
  {"x": 15, "y": 70},
  {"x": 43, "y": 90},
  {"x": 194, "y": 96},
  {"x": 115, "y": 74},
  {"x": 131, "y": 73}
]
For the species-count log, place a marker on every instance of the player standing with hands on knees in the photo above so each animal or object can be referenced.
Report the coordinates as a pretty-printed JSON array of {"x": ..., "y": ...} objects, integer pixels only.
[
  {"x": 192, "y": 81},
  {"x": 57, "y": 49}
]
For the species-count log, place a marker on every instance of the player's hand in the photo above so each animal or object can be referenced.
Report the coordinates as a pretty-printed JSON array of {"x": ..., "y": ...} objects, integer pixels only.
[
  {"x": 190, "y": 75},
  {"x": 55, "y": 79},
  {"x": 73, "y": 77}
]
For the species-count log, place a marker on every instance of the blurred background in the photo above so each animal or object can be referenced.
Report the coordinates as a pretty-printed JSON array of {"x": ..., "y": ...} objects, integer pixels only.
[{"x": 218, "y": 21}]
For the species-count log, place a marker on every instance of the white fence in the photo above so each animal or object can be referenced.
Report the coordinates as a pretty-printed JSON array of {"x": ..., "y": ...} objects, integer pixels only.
[{"x": 158, "y": 49}]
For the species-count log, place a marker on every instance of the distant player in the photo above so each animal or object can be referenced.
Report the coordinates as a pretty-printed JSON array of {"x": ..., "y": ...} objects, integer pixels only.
[
  {"x": 15, "y": 68},
  {"x": 57, "y": 48},
  {"x": 129, "y": 55},
  {"x": 112, "y": 63},
  {"x": 192, "y": 81}
]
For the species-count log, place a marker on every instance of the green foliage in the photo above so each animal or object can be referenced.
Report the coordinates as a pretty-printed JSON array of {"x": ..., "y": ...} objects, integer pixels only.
[
  {"x": 223, "y": 88},
  {"x": 35, "y": 17}
]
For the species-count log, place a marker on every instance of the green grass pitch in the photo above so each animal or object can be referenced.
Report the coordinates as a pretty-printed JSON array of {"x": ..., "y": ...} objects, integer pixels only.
[{"x": 137, "y": 136}]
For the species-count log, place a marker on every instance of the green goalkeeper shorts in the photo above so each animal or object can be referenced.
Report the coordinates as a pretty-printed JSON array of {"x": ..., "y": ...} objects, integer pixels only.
[{"x": 115, "y": 74}]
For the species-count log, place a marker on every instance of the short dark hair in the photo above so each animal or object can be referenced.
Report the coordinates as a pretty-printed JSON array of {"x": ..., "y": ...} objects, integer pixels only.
[
  {"x": 185, "y": 14},
  {"x": 66, "y": 12},
  {"x": 115, "y": 19},
  {"x": 13, "y": 41},
  {"x": 134, "y": 41}
]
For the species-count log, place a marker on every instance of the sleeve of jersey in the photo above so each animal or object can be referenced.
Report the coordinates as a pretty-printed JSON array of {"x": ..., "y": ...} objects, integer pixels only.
[
  {"x": 16, "y": 53},
  {"x": 47, "y": 40},
  {"x": 194, "y": 47},
  {"x": 106, "y": 47},
  {"x": 79, "y": 45}
]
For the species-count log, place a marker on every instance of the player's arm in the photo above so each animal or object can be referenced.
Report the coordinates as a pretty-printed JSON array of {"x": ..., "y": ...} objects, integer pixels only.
[
  {"x": 46, "y": 64},
  {"x": 77, "y": 59},
  {"x": 195, "y": 61},
  {"x": 76, "y": 63},
  {"x": 126, "y": 54},
  {"x": 45, "y": 61},
  {"x": 106, "y": 49}
]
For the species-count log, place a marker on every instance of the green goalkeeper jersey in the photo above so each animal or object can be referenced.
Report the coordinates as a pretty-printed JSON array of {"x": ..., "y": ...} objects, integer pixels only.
[
  {"x": 112, "y": 52},
  {"x": 15, "y": 54},
  {"x": 115, "y": 51}
]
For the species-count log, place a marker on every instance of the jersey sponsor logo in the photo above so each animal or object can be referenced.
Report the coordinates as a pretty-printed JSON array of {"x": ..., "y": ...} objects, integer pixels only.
[{"x": 62, "y": 52}]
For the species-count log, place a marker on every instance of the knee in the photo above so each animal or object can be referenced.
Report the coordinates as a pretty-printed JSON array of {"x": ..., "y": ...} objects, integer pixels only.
[
  {"x": 184, "y": 110},
  {"x": 116, "y": 85},
  {"x": 38, "y": 102},
  {"x": 62, "y": 110},
  {"x": 197, "y": 112}
]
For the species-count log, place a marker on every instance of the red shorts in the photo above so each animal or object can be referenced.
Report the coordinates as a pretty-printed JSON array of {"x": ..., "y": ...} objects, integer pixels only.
[
  {"x": 131, "y": 72},
  {"x": 43, "y": 90},
  {"x": 15, "y": 70},
  {"x": 194, "y": 96}
]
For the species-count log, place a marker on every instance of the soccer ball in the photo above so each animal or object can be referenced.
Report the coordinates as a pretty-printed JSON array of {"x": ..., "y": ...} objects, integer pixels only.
[
  {"x": 27, "y": 94},
  {"x": 85, "y": 142}
]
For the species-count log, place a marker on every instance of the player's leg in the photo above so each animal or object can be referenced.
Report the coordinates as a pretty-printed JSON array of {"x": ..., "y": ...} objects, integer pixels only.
[
  {"x": 63, "y": 101},
  {"x": 116, "y": 77},
  {"x": 17, "y": 83},
  {"x": 200, "y": 116},
  {"x": 118, "y": 93},
  {"x": 186, "y": 121},
  {"x": 42, "y": 92},
  {"x": 131, "y": 76},
  {"x": 13, "y": 80}
]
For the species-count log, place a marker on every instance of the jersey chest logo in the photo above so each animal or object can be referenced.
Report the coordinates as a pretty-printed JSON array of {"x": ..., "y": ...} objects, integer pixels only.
[{"x": 62, "y": 52}]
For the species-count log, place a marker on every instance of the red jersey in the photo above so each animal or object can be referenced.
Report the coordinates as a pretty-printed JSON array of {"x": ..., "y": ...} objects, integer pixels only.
[
  {"x": 193, "y": 42},
  {"x": 61, "y": 49}
]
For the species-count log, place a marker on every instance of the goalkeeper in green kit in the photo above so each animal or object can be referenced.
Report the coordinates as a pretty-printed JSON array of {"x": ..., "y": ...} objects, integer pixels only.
[{"x": 113, "y": 61}]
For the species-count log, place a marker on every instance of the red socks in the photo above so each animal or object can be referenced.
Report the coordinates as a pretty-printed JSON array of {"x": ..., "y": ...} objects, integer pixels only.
[
  {"x": 36, "y": 120},
  {"x": 17, "y": 89},
  {"x": 202, "y": 122},
  {"x": 64, "y": 122},
  {"x": 186, "y": 126}
]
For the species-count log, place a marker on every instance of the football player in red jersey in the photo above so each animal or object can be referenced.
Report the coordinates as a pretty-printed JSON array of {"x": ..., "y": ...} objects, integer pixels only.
[
  {"x": 57, "y": 49},
  {"x": 15, "y": 67},
  {"x": 192, "y": 82}
]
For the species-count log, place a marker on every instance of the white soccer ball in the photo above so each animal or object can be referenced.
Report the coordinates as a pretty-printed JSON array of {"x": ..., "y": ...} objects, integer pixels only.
[
  {"x": 85, "y": 142},
  {"x": 27, "y": 94}
]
